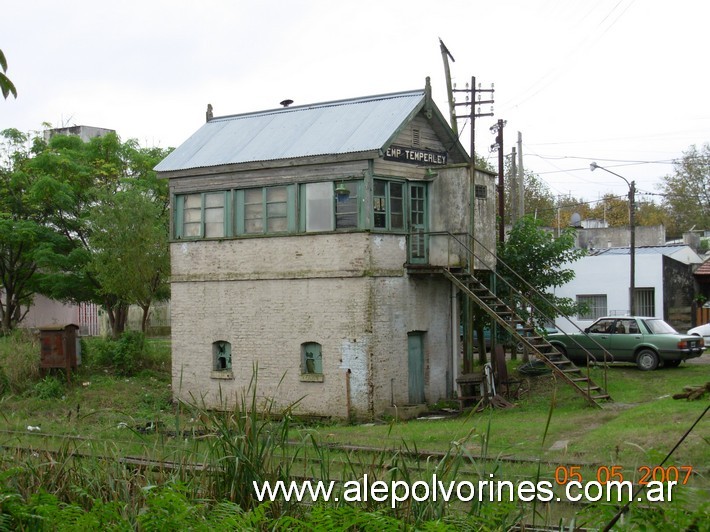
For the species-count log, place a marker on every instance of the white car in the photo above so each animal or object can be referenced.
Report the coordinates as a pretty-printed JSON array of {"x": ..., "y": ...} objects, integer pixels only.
[{"x": 701, "y": 330}]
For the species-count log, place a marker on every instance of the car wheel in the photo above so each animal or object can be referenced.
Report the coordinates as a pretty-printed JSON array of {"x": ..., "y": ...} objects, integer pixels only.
[
  {"x": 671, "y": 363},
  {"x": 647, "y": 360}
]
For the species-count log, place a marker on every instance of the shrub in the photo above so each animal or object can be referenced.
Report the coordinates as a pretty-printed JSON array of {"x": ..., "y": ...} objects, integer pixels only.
[
  {"x": 124, "y": 355},
  {"x": 127, "y": 354},
  {"x": 50, "y": 387}
]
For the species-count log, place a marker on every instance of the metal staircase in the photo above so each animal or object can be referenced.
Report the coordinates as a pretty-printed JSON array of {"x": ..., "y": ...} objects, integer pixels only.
[{"x": 506, "y": 317}]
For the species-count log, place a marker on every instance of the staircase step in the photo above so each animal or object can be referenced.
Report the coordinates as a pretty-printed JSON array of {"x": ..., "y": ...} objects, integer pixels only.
[{"x": 478, "y": 292}]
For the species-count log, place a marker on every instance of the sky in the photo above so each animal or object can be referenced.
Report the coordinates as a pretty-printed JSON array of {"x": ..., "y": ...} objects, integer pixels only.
[{"x": 623, "y": 83}]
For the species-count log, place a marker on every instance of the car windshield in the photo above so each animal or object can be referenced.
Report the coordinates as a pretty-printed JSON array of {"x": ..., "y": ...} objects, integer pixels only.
[{"x": 659, "y": 327}]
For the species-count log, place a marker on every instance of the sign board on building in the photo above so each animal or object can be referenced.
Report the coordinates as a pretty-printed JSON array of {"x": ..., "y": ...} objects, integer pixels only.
[{"x": 415, "y": 156}]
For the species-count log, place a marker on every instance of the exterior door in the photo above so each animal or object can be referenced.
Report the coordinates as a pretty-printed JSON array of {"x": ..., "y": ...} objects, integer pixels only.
[
  {"x": 418, "y": 239},
  {"x": 415, "y": 350}
]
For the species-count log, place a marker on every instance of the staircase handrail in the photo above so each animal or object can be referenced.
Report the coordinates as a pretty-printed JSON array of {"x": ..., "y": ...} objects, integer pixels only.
[{"x": 590, "y": 356}]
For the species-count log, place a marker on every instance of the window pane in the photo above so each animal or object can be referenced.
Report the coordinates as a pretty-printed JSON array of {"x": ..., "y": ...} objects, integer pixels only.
[
  {"x": 379, "y": 204},
  {"x": 192, "y": 216},
  {"x": 214, "y": 215},
  {"x": 193, "y": 201},
  {"x": 312, "y": 358},
  {"x": 396, "y": 190},
  {"x": 276, "y": 209},
  {"x": 214, "y": 200},
  {"x": 253, "y": 210},
  {"x": 396, "y": 206},
  {"x": 277, "y": 225},
  {"x": 276, "y": 194},
  {"x": 346, "y": 209},
  {"x": 254, "y": 226},
  {"x": 191, "y": 230},
  {"x": 253, "y": 195},
  {"x": 319, "y": 206}
]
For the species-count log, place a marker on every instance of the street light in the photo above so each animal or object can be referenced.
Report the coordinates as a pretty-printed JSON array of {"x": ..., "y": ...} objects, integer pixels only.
[{"x": 632, "y": 228}]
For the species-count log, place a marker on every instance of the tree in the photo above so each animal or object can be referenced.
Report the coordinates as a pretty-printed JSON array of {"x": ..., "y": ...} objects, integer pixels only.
[
  {"x": 24, "y": 236},
  {"x": 539, "y": 201},
  {"x": 66, "y": 180},
  {"x": 538, "y": 261},
  {"x": 687, "y": 191},
  {"x": 6, "y": 86},
  {"x": 130, "y": 241},
  {"x": 80, "y": 180}
]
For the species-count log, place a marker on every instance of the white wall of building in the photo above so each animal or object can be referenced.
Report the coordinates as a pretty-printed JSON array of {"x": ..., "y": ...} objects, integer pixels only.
[{"x": 610, "y": 275}]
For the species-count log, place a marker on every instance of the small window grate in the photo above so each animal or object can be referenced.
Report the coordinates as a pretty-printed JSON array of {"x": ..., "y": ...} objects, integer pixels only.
[
  {"x": 645, "y": 301},
  {"x": 416, "y": 137},
  {"x": 591, "y": 306},
  {"x": 481, "y": 191}
]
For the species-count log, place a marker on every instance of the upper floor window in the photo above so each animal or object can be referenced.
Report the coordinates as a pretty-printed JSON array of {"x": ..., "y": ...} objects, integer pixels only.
[
  {"x": 201, "y": 215},
  {"x": 347, "y": 215},
  {"x": 388, "y": 205},
  {"x": 323, "y": 210},
  {"x": 265, "y": 210},
  {"x": 275, "y": 210}
]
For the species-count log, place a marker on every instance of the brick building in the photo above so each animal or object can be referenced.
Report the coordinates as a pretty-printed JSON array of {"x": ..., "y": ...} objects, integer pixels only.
[{"x": 300, "y": 243}]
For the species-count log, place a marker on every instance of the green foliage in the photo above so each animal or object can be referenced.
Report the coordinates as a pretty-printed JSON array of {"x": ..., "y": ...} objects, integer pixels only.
[
  {"x": 130, "y": 241},
  {"x": 68, "y": 211},
  {"x": 537, "y": 263},
  {"x": 6, "y": 86},
  {"x": 687, "y": 191},
  {"x": 124, "y": 356},
  {"x": 19, "y": 361},
  {"x": 50, "y": 387},
  {"x": 129, "y": 349},
  {"x": 539, "y": 201}
]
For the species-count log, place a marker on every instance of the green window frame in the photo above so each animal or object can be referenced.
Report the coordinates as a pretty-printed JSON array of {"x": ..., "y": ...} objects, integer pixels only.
[
  {"x": 202, "y": 215},
  {"x": 311, "y": 358},
  {"x": 388, "y": 205},
  {"x": 347, "y": 209},
  {"x": 321, "y": 210},
  {"x": 221, "y": 356},
  {"x": 266, "y": 210}
]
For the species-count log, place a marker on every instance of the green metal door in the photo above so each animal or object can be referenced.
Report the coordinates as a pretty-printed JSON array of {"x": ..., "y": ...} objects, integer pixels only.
[
  {"x": 415, "y": 350},
  {"x": 418, "y": 239}
]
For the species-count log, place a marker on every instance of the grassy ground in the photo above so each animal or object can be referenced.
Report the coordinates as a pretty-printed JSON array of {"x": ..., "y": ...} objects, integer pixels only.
[
  {"x": 641, "y": 424},
  {"x": 105, "y": 412}
]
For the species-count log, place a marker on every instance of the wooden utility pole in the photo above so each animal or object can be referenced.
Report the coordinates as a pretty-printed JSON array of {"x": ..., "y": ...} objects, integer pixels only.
[
  {"x": 521, "y": 177},
  {"x": 445, "y": 54},
  {"x": 514, "y": 214},
  {"x": 498, "y": 129}
]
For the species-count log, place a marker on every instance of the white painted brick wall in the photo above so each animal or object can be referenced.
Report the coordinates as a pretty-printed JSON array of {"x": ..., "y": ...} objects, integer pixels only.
[{"x": 267, "y": 296}]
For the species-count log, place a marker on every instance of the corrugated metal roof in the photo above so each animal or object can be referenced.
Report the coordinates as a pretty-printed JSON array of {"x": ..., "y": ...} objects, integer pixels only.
[
  {"x": 641, "y": 250},
  {"x": 343, "y": 126}
]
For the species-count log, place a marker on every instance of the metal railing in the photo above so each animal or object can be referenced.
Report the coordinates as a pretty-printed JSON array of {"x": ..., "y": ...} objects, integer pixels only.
[{"x": 469, "y": 261}]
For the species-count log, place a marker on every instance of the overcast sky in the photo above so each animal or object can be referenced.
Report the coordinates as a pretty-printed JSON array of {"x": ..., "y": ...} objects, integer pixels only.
[{"x": 620, "y": 82}]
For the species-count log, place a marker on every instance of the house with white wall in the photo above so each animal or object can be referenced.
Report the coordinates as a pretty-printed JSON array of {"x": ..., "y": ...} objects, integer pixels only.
[
  {"x": 301, "y": 242},
  {"x": 664, "y": 284}
]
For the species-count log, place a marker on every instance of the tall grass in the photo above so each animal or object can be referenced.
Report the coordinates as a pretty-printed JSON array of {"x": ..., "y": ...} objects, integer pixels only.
[
  {"x": 19, "y": 361},
  {"x": 209, "y": 483}
]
